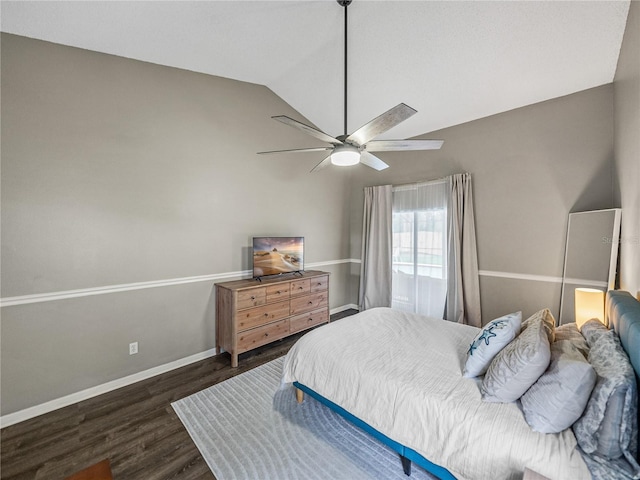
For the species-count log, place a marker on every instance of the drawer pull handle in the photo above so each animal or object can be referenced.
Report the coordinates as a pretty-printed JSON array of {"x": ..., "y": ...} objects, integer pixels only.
[
  {"x": 278, "y": 292},
  {"x": 266, "y": 314},
  {"x": 310, "y": 302},
  {"x": 311, "y": 319},
  {"x": 266, "y": 334},
  {"x": 252, "y": 297}
]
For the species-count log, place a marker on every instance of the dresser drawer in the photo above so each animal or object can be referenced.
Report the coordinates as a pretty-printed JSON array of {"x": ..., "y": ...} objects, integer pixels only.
[
  {"x": 319, "y": 284},
  {"x": 278, "y": 292},
  {"x": 300, "y": 287},
  {"x": 257, "y": 316},
  {"x": 251, "y": 298},
  {"x": 308, "y": 303},
  {"x": 308, "y": 320},
  {"x": 262, "y": 335}
]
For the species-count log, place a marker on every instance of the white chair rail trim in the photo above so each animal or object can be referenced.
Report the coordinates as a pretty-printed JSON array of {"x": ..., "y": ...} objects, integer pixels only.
[
  {"x": 520, "y": 276},
  {"x": 542, "y": 278},
  {"x": 126, "y": 287}
]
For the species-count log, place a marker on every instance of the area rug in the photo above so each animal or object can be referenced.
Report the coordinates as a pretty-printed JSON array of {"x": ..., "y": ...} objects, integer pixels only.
[{"x": 251, "y": 428}]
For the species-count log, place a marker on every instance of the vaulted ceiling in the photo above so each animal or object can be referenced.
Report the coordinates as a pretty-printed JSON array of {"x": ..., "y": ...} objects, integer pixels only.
[{"x": 453, "y": 61}]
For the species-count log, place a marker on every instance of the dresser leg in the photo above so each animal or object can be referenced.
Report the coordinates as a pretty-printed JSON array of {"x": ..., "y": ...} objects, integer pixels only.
[
  {"x": 299, "y": 395},
  {"x": 234, "y": 360}
]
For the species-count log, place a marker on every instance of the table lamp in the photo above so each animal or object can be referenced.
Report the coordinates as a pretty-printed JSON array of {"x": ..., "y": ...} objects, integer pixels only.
[{"x": 589, "y": 303}]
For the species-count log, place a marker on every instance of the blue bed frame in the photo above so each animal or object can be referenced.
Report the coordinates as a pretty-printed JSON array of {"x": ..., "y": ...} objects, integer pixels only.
[
  {"x": 407, "y": 455},
  {"x": 622, "y": 311}
]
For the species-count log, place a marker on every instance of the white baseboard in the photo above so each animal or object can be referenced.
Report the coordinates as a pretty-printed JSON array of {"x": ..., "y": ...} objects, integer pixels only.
[
  {"x": 50, "y": 406},
  {"x": 88, "y": 393},
  {"x": 343, "y": 308}
]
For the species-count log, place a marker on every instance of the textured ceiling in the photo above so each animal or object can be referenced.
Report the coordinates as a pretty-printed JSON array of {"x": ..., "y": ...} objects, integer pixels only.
[{"x": 452, "y": 61}]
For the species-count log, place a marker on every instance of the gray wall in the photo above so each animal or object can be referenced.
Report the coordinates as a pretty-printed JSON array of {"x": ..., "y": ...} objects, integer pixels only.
[
  {"x": 116, "y": 171},
  {"x": 627, "y": 150},
  {"x": 530, "y": 168}
]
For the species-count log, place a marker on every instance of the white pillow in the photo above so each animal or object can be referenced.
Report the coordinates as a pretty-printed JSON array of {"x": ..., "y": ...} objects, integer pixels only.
[
  {"x": 492, "y": 338},
  {"x": 560, "y": 395},
  {"x": 518, "y": 365}
]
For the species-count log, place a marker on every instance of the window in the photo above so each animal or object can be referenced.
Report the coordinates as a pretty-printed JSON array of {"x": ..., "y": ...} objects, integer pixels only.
[{"x": 419, "y": 248}]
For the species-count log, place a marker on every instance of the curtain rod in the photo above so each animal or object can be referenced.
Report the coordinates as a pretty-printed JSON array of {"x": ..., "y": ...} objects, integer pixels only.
[
  {"x": 407, "y": 186},
  {"x": 410, "y": 186}
]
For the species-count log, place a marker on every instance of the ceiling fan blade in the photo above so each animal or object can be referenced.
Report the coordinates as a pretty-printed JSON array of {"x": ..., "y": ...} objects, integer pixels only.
[
  {"x": 372, "y": 161},
  {"x": 298, "y": 150},
  {"x": 322, "y": 164},
  {"x": 396, "y": 145},
  {"x": 381, "y": 124},
  {"x": 314, "y": 132}
]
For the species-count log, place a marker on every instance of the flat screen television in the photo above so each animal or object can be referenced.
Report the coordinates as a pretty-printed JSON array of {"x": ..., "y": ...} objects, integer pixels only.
[{"x": 277, "y": 255}]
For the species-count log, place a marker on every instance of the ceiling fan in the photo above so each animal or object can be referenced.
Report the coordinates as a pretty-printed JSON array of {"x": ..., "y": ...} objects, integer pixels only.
[{"x": 356, "y": 148}]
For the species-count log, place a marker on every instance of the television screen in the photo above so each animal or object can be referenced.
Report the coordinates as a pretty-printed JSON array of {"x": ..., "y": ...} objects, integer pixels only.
[{"x": 277, "y": 255}]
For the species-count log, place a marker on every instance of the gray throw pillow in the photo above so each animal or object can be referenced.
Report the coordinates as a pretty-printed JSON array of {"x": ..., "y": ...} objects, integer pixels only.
[
  {"x": 548, "y": 322},
  {"x": 608, "y": 426},
  {"x": 592, "y": 330},
  {"x": 558, "y": 398},
  {"x": 520, "y": 363},
  {"x": 570, "y": 332}
]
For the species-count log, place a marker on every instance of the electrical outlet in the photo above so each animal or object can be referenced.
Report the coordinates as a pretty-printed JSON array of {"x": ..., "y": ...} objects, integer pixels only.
[{"x": 133, "y": 348}]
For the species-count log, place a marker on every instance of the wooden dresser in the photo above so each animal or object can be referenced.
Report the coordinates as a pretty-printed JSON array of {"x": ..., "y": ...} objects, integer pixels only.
[{"x": 250, "y": 313}]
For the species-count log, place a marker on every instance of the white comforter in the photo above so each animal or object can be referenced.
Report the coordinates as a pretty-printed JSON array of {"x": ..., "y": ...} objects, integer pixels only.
[{"x": 402, "y": 374}]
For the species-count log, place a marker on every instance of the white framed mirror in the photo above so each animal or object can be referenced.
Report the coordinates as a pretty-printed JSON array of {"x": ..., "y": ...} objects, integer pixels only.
[{"x": 591, "y": 255}]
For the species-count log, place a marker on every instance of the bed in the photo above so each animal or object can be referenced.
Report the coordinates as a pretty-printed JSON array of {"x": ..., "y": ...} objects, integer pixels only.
[{"x": 399, "y": 377}]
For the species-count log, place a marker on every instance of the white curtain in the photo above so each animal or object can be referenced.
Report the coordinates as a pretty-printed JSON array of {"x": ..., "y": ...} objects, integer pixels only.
[
  {"x": 375, "y": 270},
  {"x": 463, "y": 289},
  {"x": 419, "y": 279},
  {"x": 419, "y": 250}
]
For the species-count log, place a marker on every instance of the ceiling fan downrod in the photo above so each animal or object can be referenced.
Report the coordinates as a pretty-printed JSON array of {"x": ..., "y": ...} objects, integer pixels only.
[{"x": 345, "y": 4}]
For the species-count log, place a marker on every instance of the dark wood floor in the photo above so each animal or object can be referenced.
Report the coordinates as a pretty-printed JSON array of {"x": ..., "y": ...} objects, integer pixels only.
[{"x": 134, "y": 427}]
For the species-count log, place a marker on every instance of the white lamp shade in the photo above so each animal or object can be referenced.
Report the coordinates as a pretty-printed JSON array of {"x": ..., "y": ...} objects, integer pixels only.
[
  {"x": 344, "y": 156},
  {"x": 589, "y": 304}
]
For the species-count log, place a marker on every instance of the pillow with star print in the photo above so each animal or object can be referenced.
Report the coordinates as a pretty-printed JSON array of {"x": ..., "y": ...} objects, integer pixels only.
[{"x": 492, "y": 338}]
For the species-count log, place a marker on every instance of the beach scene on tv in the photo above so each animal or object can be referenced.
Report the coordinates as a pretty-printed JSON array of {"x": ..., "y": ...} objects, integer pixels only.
[{"x": 276, "y": 255}]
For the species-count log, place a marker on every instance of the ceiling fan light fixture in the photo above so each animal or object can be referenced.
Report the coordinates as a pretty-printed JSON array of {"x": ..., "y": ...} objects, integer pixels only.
[{"x": 344, "y": 156}]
